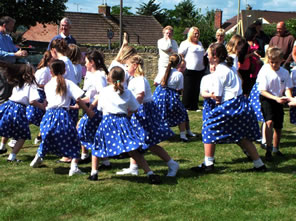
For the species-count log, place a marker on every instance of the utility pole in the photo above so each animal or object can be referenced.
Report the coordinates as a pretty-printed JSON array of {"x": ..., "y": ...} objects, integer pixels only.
[
  {"x": 237, "y": 18},
  {"x": 77, "y": 6},
  {"x": 120, "y": 24}
]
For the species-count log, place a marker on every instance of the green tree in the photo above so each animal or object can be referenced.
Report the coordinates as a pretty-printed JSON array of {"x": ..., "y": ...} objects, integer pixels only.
[
  {"x": 115, "y": 10},
  {"x": 151, "y": 8},
  {"x": 29, "y": 12}
]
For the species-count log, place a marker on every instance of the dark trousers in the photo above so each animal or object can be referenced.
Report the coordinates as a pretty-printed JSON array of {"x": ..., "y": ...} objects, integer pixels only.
[
  {"x": 248, "y": 82},
  {"x": 5, "y": 88},
  {"x": 191, "y": 89}
]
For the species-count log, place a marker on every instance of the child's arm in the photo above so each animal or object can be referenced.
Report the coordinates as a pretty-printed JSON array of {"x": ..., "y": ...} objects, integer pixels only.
[
  {"x": 88, "y": 111},
  {"x": 124, "y": 43},
  {"x": 268, "y": 95},
  {"x": 94, "y": 103},
  {"x": 140, "y": 97},
  {"x": 41, "y": 106}
]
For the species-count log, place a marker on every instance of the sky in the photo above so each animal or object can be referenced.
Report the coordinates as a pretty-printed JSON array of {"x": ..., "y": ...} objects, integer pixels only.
[{"x": 229, "y": 7}]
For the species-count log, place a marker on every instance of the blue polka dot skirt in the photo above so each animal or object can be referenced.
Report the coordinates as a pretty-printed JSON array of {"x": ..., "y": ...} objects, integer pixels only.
[
  {"x": 35, "y": 114},
  {"x": 148, "y": 124},
  {"x": 208, "y": 105},
  {"x": 87, "y": 128},
  {"x": 74, "y": 113},
  {"x": 293, "y": 109},
  {"x": 13, "y": 121},
  {"x": 255, "y": 102},
  {"x": 170, "y": 106},
  {"x": 115, "y": 136},
  {"x": 230, "y": 122},
  {"x": 59, "y": 135}
]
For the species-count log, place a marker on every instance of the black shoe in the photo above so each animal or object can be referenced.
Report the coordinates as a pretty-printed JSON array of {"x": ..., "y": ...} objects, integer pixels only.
[
  {"x": 93, "y": 177},
  {"x": 3, "y": 151},
  {"x": 154, "y": 179},
  {"x": 183, "y": 140},
  {"x": 260, "y": 169},
  {"x": 203, "y": 168},
  {"x": 268, "y": 156},
  {"x": 263, "y": 146},
  {"x": 85, "y": 161},
  {"x": 278, "y": 153},
  {"x": 105, "y": 167}
]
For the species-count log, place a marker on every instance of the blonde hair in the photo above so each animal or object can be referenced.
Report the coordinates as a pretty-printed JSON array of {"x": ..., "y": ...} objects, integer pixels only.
[
  {"x": 74, "y": 54},
  {"x": 174, "y": 61},
  {"x": 190, "y": 33},
  {"x": 220, "y": 31},
  {"x": 233, "y": 43},
  {"x": 126, "y": 53},
  {"x": 274, "y": 53},
  {"x": 137, "y": 59},
  {"x": 168, "y": 27}
]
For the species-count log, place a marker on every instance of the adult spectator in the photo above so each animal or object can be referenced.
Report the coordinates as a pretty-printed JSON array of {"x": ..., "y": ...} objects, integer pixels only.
[
  {"x": 220, "y": 35},
  {"x": 166, "y": 47},
  {"x": 8, "y": 53},
  {"x": 261, "y": 37},
  {"x": 285, "y": 41},
  {"x": 193, "y": 51},
  {"x": 65, "y": 27}
]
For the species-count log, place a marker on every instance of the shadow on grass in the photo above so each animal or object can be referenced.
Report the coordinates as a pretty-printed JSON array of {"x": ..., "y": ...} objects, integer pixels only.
[{"x": 144, "y": 179}]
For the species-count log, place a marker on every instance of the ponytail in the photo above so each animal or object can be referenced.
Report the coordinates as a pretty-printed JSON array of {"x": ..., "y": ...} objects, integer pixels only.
[
  {"x": 57, "y": 68},
  {"x": 174, "y": 61},
  {"x": 118, "y": 87},
  {"x": 116, "y": 77},
  {"x": 61, "y": 86}
]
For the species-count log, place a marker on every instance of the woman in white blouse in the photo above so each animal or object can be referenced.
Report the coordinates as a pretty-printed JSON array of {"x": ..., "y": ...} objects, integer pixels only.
[
  {"x": 166, "y": 47},
  {"x": 193, "y": 52}
]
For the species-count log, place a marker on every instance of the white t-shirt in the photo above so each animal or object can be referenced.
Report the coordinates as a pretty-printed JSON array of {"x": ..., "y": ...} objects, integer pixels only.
[
  {"x": 70, "y": 71},
  {"x": 57, "y": 101},
  {"x": 293, "y": 76},
  {"x": 115, "y": 63},
  {"x": 94, "y": 83},
  {"x": 206, "y": 83},
  {"x": 77, "y": 73},
  {"x": 43, "y": 75},
  {"x": 235, "y": 60},
  {"x": 111, "y": 102},
  {"x": 194, "y": 54},
  {"x": 176, "y": 80},
  {"x": 25, "y": 95},
  {"x": 274, "y": 82},
  {"x": 226, "y": 82},
  {"x": 138, "y": 85}
]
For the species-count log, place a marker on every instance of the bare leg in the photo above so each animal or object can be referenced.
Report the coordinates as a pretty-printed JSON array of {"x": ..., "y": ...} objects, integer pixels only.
[
  {"x": 250, "y": 148},
  {"x": 159, "y": 151},
  {"x": 19, "y": 144},
  {"x": 139, "y": 158},
  {"x": 269, "y": 133},
  {"x": 182, "y": 127},
  {"x": 4, "y": 140},
  {"x": 277, "y": 137},
  {"x": 209, "y": 149}
]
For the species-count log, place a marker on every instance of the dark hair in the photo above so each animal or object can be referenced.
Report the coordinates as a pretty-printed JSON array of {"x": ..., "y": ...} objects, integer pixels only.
[
  {"x": 57, "y": 68},
  {"x": 219, "y": 50},
  {"x": 98, "y": 59},
  {"x": 18, "y": 74},
  {"x": 45, "y": 60},
  {"x": 116, "y": 76},
  {"x": 74, "y": 54},
  {"x": 250, "y": 33},
  {"x": 6, "y": 20},
  {"x": 174, "y": 61},
  {"x": 60, "y": 45}
]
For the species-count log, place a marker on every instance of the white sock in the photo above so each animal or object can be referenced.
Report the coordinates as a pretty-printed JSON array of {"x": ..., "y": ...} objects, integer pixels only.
[
  {"x": 150, "y": 173},
  {"x": 106, "y": 162},
  {"x": 171, "y": 162},
  {"x": 93, "y": 172},
  {"x": 189, "y": 132},
  {"x": 209, "y": 161},
  {"x": 183, "y": 135},
  {"x": 133, "y": 166},
  {"x": 274, "y": 149},
  {"x": 258, "y": 163},
  {"x": 11, "y": 157},
  {"x": 74, "y": 165},
  {"x": 263, "y": 140},
  {"x": 2, "y": 146},
  {"x": 84, "y": 156}
]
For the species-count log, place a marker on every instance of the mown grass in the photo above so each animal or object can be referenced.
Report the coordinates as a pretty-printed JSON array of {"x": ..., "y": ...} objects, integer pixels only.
[{"x": 231, "y": 193}]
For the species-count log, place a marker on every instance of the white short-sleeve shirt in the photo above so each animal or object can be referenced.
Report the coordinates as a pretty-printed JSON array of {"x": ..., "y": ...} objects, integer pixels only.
[
  {"x": 77, "y": 73},
  {"x": 25, "y": 95},
  {"x": 111, "y": 102},
  {"x": 115, "y": 63},
  {"x": 274, "y": 82},
  {"x": 138, "y": 85},
  {"x": 94, "y": 83},
  {"x": 176, "y": 80},
  {"x": 293, "y": 76},
  {"x": 206, "y": 83},
  {"x": 57, "y": 101},
  {"x": 194, "y": 54},
  {"x": 226, "y": 82},
  {"x": 235, "y": 61},
  {"x": 43, "y": 75},
  {"x": 70, "y": 71}
]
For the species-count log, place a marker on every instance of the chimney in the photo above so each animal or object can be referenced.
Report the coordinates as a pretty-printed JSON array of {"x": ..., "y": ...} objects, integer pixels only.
[
  {"x": 104, "y": 10},
  {"x": 218, "y": 18}
]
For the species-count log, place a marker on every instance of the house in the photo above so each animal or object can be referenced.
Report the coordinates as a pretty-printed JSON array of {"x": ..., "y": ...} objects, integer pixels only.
[
  {"x": 248, "y": 16},
  {"x": 92, "y": 28}
]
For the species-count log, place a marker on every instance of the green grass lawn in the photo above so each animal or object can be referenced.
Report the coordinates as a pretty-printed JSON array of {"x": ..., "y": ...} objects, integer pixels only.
[{"x": 231, "y": 193}]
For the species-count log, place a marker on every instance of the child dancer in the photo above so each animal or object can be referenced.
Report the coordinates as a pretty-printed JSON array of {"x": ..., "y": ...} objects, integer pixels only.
[
  {"x": 95, "y": 80},
  {"x": 147, "y": 119},
  {"x": 13, "y": 120},
  {"x": 75, "y": 56},
  {"x": 116, "y": 135},
  {"x": 59, "y": 135},
  {"x": 273, "y": 82},
  {"x": 234, "y": 46},
  {"x": 222, "y": 122},
  {"x": 166, "y": 97},
  {"x": 42, "y": 76},
  {"x": 293, "y": 109}
]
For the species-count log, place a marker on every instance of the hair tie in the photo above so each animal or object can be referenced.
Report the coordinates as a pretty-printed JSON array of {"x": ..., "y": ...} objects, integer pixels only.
[
  {"x": 180, "y": 59},
  {"x": 118, "y": 81}
]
